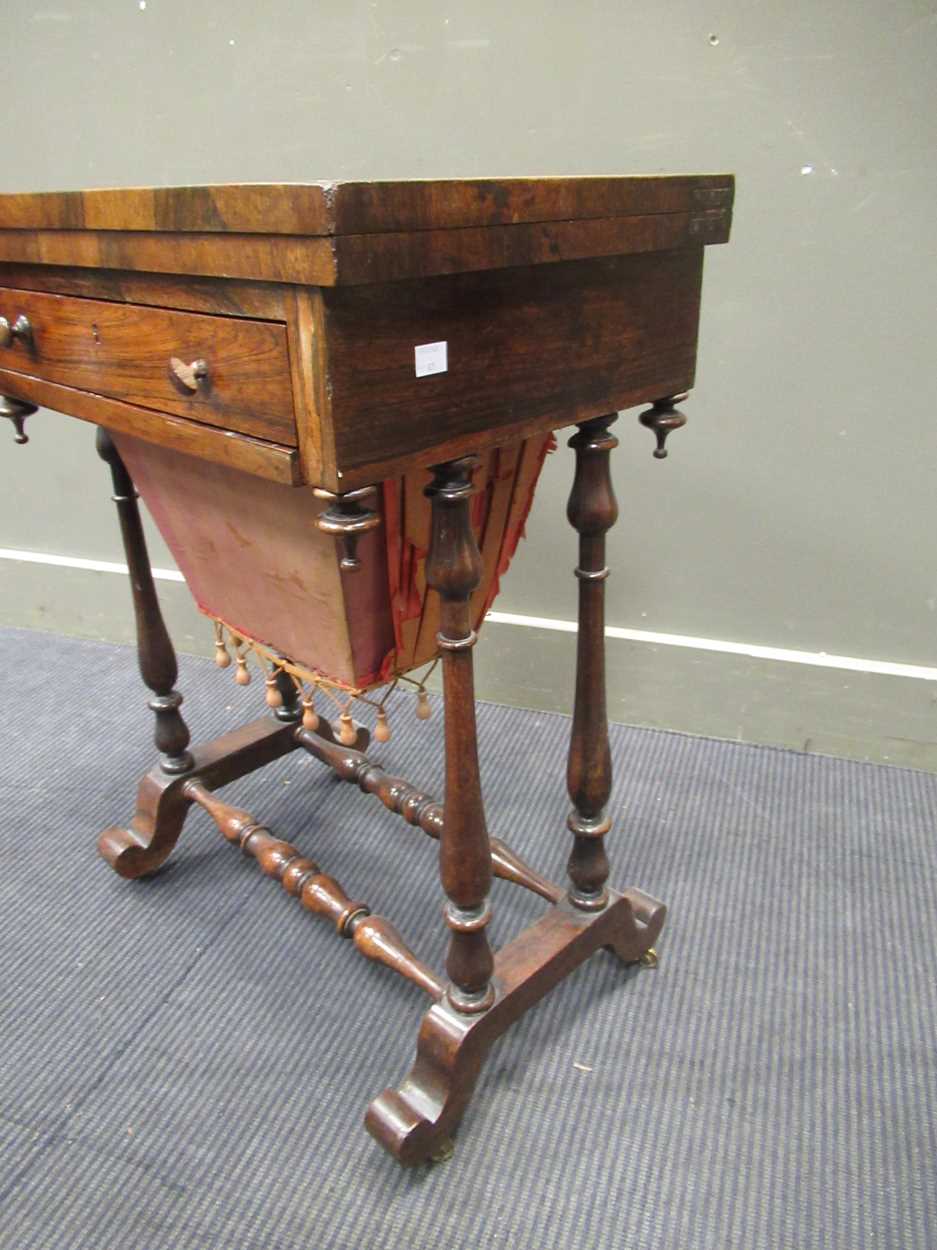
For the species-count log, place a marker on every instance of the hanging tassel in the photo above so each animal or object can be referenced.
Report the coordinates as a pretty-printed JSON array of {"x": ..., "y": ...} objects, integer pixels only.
[
  {"x": 382, "y": 729},
  {"x": 347, "y": 734},
  {"x": 222, "y": 655},
  {"x": 310, "y": 715},
  {"x": 423, "y": 709},
  {"x": 273, "y": 696},
  {"x": 242, "y": 676}
]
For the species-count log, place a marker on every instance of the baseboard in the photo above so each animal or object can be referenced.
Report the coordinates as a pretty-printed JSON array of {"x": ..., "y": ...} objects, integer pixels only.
[{"x": 869, "y": 710}]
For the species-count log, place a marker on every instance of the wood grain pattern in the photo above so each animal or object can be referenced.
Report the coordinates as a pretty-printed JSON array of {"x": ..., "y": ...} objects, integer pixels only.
[
  {"x": 251, "y": 455},
  {"x": 369, "y": 258},
  {"x": 307, "y": 351},
  {"x": 324, "y": 208},
  {"x": 272, "y": 258},
  {"x": 125, "y": 351},
  {"x": 226, "y": 297},
  {"x": 535, "y": 345},
  {"x": 156, "y": 656},
  {"x": 355, "y": 259},
  {"x": 592, "y": 511},
  {"x": 453, "y": 570}
]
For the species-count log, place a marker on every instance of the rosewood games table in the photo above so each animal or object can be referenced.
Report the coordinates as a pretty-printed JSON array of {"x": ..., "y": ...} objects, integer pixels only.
[{"x": 335, "y": 399}]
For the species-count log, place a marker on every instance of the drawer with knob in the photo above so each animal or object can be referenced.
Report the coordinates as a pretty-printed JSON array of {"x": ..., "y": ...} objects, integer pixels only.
[{"x": 231, "y": 372}]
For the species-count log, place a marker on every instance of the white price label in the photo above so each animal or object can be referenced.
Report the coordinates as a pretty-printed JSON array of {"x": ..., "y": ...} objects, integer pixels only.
[{"x": 431, "y": 358}]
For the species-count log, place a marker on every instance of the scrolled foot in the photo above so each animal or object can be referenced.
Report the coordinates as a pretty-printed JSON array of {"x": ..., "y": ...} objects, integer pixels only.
[
  {"x": 142, "y": 848},
  {"x": 415, "y": 1122},
  {"x": 162, "y": 802},
  {"x": 638, "y": 929},
  {"x": 130, "y": 853}
]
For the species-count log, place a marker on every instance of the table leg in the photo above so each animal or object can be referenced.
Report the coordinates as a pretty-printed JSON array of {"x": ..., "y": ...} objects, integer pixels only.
[
  {"x": 453, "y": 569},
  {"x": 592, "y": 511},
  {"x": 415, "y": 1119},
  {"x": 155, "y": 653}
]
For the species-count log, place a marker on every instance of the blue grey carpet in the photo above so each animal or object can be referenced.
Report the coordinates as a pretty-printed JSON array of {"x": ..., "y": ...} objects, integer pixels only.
[{"x": 184, "y": 1062}]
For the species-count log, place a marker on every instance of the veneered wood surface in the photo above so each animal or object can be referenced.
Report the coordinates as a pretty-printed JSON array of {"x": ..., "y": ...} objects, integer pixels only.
[
  {"x": 239, "y": 451},
  {"x": 307, "y": 376},
  {"x": 124, "y": 351},
  {"x": 426, "y": 253},
  {"x": 541, "y": 347},
  {"x": 328, "y": 208},
  {"x": 354, "y": 259},
  {"x": 330, "y": 234},
  {"x": 559, "y": 299},
  {"x": 227, "y": 297}
]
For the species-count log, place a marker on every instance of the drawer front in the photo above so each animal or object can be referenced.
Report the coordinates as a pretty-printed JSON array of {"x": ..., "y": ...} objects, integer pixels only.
[{"x": 224, "y": 371}]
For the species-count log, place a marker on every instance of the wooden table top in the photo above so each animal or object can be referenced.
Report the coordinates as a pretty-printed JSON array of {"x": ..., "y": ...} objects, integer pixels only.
[
  {"x": 283, "y": 330},
  {"x": 339, "y": 208},
  {"x": 337, "y": 233}
]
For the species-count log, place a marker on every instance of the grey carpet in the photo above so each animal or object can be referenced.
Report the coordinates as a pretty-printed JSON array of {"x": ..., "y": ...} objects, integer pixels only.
[{"x": 184, "y": 1062}]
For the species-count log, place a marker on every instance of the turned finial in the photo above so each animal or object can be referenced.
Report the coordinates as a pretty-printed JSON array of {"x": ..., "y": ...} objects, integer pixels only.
[
  {"x": 663, "y": 419},
  {"x": 453, "y": 566},
  {"x": 16, "y": 411},
  {"x": 347, "y": 519}
]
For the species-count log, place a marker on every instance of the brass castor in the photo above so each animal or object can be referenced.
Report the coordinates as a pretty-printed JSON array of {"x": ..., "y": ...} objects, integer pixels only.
[
  {"x": 649, "y": 959},
  {"x": 443, "y": 1152}
]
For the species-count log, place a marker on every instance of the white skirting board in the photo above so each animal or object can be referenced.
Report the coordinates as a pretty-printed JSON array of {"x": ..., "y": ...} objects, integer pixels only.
[{"x": 829, "y": 704}]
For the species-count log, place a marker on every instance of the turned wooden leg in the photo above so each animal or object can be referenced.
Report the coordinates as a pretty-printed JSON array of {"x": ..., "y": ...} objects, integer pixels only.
[
  {"x": 155, "y": 653},
  {"x": 592, "y": 510},
  {"x": 453, "y": 569}
]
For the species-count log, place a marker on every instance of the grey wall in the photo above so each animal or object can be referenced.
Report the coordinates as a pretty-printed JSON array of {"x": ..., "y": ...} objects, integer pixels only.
[{"x": 797, "y": 508}]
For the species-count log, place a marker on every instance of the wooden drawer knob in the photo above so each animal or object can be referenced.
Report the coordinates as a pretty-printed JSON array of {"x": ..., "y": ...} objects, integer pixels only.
[
  {"x": 190, "y": 376},
  {"x": 20, "y": 329}
]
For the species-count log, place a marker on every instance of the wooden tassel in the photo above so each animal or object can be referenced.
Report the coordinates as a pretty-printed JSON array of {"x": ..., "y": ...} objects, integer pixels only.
[
  {"x": 310, "y": 716},
  {"x": 423, "y": 709},
  {"x": 222, "y": 655},
  {"x": 347, "y": 734},
  {"x": 273, "y": 696},
  {"x": 242, "y": 676},
  {"x": 382, "y": 729}
]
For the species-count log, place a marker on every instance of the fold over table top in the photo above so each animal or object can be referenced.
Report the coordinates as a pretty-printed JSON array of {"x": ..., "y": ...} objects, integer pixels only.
[{"x": 333, "y": 233}]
